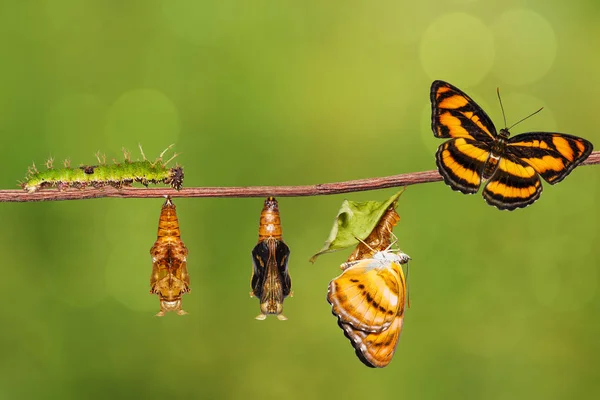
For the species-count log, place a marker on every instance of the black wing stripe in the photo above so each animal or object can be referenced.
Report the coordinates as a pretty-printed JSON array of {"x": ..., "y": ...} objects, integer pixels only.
[
  {"x": 455, "y": 114},
  {"x": 512, "y": 186},
  {"x": 552, "y": 155}
]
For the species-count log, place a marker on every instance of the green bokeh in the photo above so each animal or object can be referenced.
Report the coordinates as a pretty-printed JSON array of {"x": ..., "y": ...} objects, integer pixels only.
[{"x": 504, "y": 305}]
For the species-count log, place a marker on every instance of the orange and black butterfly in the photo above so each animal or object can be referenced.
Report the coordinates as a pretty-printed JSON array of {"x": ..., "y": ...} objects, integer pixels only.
[
  {"x": 510, "y": 168},
  {"x": 271, "y": 282},
  {"x": 170, "y": 278}
]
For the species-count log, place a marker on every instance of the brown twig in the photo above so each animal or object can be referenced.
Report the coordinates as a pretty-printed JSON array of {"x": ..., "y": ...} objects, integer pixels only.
[{"x": 240, "y": 191}]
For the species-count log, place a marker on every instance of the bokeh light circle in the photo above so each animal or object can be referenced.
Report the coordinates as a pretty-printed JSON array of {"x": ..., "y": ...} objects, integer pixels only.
[
  {"x": 457, "y": 46},
  {"x": 525, "y": 46}
]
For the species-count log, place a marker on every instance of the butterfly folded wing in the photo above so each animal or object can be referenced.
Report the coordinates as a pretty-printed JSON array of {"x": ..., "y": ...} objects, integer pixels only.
[
  {"x": 515, "y": 184},
  {"x": 460, "y": 161},
  {"x": 454, "y": 114},
  {"x": 376, "y": 349},
  {"x": 552, "y": 155}
]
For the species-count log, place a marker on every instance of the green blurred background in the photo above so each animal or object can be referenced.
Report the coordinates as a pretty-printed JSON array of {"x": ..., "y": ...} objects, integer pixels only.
[{"x": 504, "y": 304}]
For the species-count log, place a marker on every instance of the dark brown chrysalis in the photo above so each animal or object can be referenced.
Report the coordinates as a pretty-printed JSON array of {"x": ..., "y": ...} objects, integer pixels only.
[
  {"x": 271, "y": 282},
  {"x": 169, "y": 279}
]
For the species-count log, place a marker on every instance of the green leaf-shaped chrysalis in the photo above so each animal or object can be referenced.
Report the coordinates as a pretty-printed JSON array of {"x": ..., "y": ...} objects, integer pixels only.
[{"x": 355, "y": 220}]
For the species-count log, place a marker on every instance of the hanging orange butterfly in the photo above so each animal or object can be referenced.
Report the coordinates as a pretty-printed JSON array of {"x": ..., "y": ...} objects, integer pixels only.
[
  {"x": 370, "y": 296},
  {"x": 169, "y": 279},
  {"x": 508, "y": 167},
  {"x": 369, "y": 299},
  {"x": 271, "y": 281}
]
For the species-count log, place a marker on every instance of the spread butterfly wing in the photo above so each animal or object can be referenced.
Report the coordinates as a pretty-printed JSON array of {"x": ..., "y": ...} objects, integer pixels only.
[
  {"x": 460, "y": 161},
  {"x": 552, "y": 155},
  {"x": 375, "y": 349},
  {"x": 515, "y": 184},
  {"x": 454, "y": 114},
  {"x": 366, "y": 297}
]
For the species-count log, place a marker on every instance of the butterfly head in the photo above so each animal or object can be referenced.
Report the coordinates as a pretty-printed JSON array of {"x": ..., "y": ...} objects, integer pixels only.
[{"x": 397, "y": 257}]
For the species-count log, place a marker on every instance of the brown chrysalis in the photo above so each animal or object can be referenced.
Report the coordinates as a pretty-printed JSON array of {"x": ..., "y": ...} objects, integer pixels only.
[
  {"x": 271, "y": 282},
  {"x": 169, "y": 279}
]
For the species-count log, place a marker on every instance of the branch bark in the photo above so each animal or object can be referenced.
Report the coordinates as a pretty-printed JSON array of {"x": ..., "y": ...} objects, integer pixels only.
[{"x": 322, "y": 189}]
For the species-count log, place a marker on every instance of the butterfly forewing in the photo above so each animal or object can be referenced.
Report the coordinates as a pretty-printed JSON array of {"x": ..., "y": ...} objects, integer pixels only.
[
  {"x": 460, "y": 162},
  {"x": 365, "y": 297},
  {"x": 515, "y": 184},
  {"x": 552, "y": 155},
  {"x": 456, "y": 115}
]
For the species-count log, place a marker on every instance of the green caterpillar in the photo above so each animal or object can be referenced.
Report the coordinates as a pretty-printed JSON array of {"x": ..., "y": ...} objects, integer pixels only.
[{"x": 116, "y": 175}]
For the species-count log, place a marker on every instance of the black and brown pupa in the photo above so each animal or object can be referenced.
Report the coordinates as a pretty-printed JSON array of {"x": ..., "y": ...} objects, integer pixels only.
[{"x": 271, "y": 282}]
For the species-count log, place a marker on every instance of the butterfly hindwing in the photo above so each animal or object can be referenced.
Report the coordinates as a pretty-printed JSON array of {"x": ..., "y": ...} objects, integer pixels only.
[
  {"x": 515, "y": 184},
  {"x": 375, "y": 350},
  {"x": 365, "y": 296},
  {"x": 552, "y": 155},
  {"x": 454, "y": 114},
  {"x": 460, "y": 162}
]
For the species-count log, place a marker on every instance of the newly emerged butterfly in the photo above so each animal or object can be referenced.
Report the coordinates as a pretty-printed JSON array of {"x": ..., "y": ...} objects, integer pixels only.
[
  {"x": 509, "y": 168},
  {"x": 118, "y": 174},
  {"x": 170, "y": 278},
  {"x": 369, "y": 299},
  {"x": 370, "y": 296},
  {"x": 270, "y": 282}
]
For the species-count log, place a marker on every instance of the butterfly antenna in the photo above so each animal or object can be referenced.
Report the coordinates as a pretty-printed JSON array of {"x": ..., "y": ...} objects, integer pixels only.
[
  {"x": 501, "y": 105},
  {"x": 393, "y": 240},
  {"x": 530, "y": 115}
]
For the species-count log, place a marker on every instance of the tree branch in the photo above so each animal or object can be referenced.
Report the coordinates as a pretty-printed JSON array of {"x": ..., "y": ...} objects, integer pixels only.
[{"x": 358, "y": 185}]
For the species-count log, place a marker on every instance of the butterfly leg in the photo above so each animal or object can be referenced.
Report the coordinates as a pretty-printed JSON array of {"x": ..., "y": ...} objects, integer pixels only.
[
  {"x": 281, "y": 317},
  {"x": 261, "y": 317}
]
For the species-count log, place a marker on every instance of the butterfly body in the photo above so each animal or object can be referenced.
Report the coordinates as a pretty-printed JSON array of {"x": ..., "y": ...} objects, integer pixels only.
[
  {"x": 368, "y": 299},
  {"x": 509, "y": 167}
]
